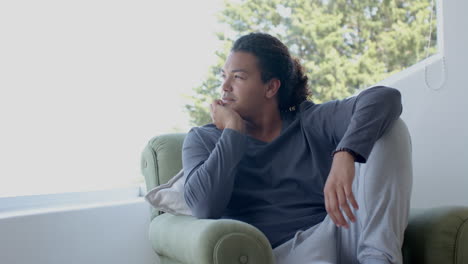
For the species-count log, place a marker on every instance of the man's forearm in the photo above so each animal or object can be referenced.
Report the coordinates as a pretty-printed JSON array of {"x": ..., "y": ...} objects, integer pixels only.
[
  {"x": 375, "y": 110},
  {"x": 209, "y": 185}
]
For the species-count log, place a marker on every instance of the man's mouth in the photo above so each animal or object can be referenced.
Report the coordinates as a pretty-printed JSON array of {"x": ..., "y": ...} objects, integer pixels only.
[{"x": 227, "y": 100}]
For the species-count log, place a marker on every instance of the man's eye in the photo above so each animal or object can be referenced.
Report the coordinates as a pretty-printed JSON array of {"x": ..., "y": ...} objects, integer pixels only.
[{"x": 238, "y": 77}]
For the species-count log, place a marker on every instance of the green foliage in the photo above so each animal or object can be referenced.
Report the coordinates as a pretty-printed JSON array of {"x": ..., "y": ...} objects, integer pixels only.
[{"x": 344, "y": 45}]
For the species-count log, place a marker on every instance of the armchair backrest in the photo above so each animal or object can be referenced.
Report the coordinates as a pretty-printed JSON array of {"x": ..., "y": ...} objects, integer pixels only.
[{"x": 160, "y": 160}]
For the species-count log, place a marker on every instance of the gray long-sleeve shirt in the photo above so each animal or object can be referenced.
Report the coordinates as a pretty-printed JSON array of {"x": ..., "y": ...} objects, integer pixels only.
[{"x": 278, "y": 186}]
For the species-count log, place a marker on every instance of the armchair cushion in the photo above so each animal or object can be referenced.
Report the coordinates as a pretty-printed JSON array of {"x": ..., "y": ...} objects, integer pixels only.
[
  {"x": 161, "y": 159},
  {"x": 169, "y": 197}
]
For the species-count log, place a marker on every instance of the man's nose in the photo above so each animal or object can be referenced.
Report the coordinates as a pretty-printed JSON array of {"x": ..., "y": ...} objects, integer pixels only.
[{"x": 226, "y": 85}]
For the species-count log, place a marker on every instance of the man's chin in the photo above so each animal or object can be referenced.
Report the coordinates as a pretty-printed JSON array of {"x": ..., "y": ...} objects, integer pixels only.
[
  {"x": 233, "y": 107},
  {"x": 229, "y": 104}
]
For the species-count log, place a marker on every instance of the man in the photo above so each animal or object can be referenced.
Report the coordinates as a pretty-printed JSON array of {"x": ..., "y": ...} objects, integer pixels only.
[{"x": 287, "y": 166}]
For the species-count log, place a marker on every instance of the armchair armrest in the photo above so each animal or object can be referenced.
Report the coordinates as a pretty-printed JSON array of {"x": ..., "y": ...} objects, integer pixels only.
[
  {"x": 437, "y": 235},
  {"x": 186, "y": 239}
]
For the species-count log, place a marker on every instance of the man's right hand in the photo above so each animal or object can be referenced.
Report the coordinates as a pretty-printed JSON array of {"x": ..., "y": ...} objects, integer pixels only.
[{"x": 224, "y": 117}]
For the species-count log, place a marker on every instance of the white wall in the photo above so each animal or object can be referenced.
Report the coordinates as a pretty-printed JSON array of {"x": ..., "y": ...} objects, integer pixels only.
[
  {"x": 438, "y": 119},
  {"x": 114, "y": 233}
]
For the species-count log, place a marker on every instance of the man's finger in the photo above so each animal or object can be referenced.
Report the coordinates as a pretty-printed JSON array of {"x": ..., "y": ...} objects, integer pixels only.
[
  {"x": 329, "y": 209},
  {"x": 334, "y": 209},
  {"x": 350, "y": 197},
  {"x": 343, "y": 204},
  {"x": 345, "y": 207}
]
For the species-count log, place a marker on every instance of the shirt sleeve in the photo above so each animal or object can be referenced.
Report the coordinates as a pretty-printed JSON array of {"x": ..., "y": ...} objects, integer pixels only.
[
  {"x": 211, "y": 171},
  {"x": 356, "y": 123}
]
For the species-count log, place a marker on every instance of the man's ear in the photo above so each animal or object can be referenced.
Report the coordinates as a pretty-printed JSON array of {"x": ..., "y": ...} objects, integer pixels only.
[{"x": 272, "y": 88}]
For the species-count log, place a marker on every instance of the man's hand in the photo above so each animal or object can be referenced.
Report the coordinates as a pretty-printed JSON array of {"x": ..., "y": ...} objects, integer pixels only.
[
  {"x": 338, "y": 189},
  {"x": 224, "y": 117}
]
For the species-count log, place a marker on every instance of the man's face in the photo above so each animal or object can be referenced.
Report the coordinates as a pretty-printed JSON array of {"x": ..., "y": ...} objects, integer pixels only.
[{"x": 242, "y": 89}]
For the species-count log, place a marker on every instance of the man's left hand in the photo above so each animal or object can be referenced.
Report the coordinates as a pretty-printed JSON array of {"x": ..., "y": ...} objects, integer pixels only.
[{"x": 338, "y": 189}]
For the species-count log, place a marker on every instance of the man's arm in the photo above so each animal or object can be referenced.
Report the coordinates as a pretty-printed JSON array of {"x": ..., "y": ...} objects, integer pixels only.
[
  {"x": 356, "y": 124},
  {"x": 210, "y": 176},
  {"x": 211, "y": 172},
  {"x": 360, "y": 121}
]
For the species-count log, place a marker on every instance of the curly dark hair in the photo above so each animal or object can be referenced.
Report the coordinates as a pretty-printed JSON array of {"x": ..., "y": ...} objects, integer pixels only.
[{"x": 275, "y": 61}]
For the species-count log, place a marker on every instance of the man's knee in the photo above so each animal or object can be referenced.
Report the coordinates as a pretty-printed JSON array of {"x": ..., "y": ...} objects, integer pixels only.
[{"x": 394, "y": 147}]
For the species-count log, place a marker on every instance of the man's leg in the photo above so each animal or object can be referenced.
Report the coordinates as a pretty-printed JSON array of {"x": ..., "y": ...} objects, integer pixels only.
[
  {"x": 316, "y": 245},
  {"x": 383, "y": 189}
]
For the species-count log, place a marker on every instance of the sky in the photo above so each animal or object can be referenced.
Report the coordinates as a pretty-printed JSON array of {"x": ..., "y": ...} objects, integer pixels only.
[{"x": 84, "y": 85}]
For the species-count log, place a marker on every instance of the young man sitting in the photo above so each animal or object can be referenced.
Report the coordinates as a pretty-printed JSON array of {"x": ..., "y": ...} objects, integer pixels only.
[{"x": 301, "y": 172}]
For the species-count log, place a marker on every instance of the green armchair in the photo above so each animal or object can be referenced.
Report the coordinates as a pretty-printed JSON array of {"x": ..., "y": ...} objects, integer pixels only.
[{"x": 434, "y": 236}]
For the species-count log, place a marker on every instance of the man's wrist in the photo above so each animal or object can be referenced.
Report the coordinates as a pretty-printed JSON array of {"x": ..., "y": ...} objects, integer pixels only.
[
  {"x": 344, "y": 151},
  {"x": 237, "y": 125}
]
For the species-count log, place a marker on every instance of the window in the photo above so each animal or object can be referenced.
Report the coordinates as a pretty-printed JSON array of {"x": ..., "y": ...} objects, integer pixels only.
[{"x": 85, "y": 84}]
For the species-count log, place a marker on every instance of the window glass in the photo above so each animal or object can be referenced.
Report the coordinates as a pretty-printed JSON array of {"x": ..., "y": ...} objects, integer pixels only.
[{"x": 85, "y": 84}]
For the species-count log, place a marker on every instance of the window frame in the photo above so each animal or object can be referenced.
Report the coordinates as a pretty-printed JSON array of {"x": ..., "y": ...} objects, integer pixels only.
[{"x": 43, "y": 203}]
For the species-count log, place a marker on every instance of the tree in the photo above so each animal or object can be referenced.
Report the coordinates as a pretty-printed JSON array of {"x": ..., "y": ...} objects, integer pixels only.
[{"x": 344, "y": 45}]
